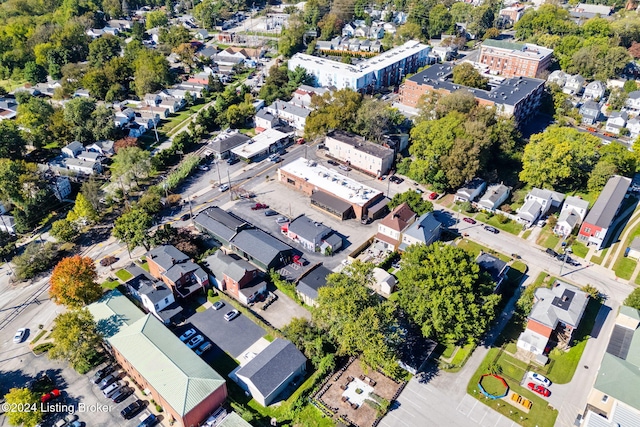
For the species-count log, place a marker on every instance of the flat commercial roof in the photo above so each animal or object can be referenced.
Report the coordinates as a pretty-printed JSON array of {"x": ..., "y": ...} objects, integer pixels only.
[
  {"x": 330, "y": 181},
  {"x": 259, "y": 143}
]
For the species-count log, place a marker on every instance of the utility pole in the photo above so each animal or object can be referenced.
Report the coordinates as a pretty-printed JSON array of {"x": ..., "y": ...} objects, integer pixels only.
[
  {"x": 229, "y": 182},
  {"x": 567, "y": 251}
]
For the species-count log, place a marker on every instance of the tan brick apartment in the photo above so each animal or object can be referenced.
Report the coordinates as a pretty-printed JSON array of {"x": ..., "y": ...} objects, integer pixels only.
[{"x": 510, "y": 59}]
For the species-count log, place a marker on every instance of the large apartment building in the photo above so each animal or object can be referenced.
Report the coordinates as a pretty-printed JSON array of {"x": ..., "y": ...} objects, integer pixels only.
[
  {"x": 383, "y": 70},
  {"x": 517, "y": 97},
  {"x": 511, "y": 59}
]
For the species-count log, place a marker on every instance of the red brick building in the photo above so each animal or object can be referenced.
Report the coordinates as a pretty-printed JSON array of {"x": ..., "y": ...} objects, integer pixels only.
[{"x": 511, "y": 59}]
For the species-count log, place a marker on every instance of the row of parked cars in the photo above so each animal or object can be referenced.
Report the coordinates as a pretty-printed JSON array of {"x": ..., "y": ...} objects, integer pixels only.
[
  {"x": 107, "y": 380},
  {"x": 561, "y": 257}
]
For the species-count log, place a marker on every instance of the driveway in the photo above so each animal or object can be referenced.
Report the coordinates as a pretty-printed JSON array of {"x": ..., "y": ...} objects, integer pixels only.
[
  {"x": 282, "y": 311},
  {"x": 232, "y": 337}
]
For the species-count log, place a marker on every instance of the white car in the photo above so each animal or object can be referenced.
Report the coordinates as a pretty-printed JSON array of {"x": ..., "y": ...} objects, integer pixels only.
[
  {"x": 539, "y": 379},
  {"x": 231, "y": 315},
  {"x": 188, "y": 334},
  {"x": 223, "y": 188},
  {"x": 195, "y": 341},
  {"x": 19, "y": 336},
  {"x": 282, "y": 220}
]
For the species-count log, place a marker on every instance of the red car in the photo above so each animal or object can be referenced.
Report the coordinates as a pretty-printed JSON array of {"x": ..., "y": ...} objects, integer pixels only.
[
  {"x": 49, "y": 396},
  {"x": 539, "y": 389},
  {"x": 433, "y": 196},
  {"x": 469, "y": 220},
  {"x": 259, "y": 206}
]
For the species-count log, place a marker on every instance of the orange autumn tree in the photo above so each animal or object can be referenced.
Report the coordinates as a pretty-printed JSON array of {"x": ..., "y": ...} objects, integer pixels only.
[{"x": 73, "y": 282}]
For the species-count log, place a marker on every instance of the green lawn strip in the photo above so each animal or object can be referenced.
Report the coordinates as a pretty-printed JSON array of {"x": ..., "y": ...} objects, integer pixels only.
[
  {"x": 37, "y": 338},
  {"x": 543, "y": 236},
  {"x": 526, "y": 234},
  {"x": 145, "y": 266},
  {"x": 518, "y": 267},
  {"x": 624, "y": 267},
  {"x": 459, "y": 359},
  {"x": 110, "y": 284},
  {"x": 510, "y": 226},
  {"x": 540, "y": 279},
  {"x": 448, "y": 350},
  {"x": 579, "y": 249},
  {"x": 541, "y": 414},
  {"x": 123, "y": 275},
  {"x": 598, "y": 259},
  {"x": 475, "y": 248},
  {"x": 551, "y": 241},
  {"x": 565, "y": 363},
  {"x": 637, "y": 279}
]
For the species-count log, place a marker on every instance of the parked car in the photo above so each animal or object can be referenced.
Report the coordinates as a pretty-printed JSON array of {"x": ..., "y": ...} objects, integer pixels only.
[
  {"x": 107, "y": 381},
  {"x": 122, "y": 394},
  {"x": 223, "y": 188},
  {"x": 20, "y": 335},
  {"x": 108, "y": 260},
  {"x": 469, "y": 220},
  {"x": 552, "y": 253},
  {"x": 232, "y": 160},
  {"x": 131, "y": 410},
  {"x": 537, "y": 388},
  {"x": 188, "y": 334},
  {"x": 231, "y": 315},
  {"x": 185, "y": 217},
  {"x": 274, "y": 158},
  {"x": 259, "y": 206},
  {"x": 333, "y": 162},
  {"x": 112, "y": 389},
  {"x": 433, "y": 196},
  {"x": 540, "y": 379},
  {"x": 282, "y": 220},
  {"x": 195, "y": 341},
  {"x": 491, "y": 229},
  {"x": 203, "y": 347},
  {"x": 396, "y": 179},
  {"x": 53, "y": 394},
  {"x": 218, "y": 305},
  {"x": 151, "y": 420},
  {"x": 270, "y": 212},
  {"x": 365, "y": 220},
  {"x": 101, "y": 373}
]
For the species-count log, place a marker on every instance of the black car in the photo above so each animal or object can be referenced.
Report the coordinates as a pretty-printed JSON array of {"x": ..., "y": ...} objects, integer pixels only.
[
  {"x": 552, "y": 253},
  {"x": 101, "y": 373},
  {"x": 332, "y": 162},
  {"x": 121, "y": 394},
  {"x": 270, "y": 212},
  {"x": 491, "y": 229},
  {"x": 131, "y": 410},
  {"x": 107, "y": 381},
  {"x": 185, "y": 217}
]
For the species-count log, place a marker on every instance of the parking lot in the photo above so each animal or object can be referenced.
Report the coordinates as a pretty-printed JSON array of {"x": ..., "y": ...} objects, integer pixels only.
[
  {"x": 232, "y": 337},
  {"x": 282, "y": 310}
]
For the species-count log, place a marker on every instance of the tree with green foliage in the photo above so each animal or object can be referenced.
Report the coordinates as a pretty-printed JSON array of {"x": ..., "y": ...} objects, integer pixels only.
[
  {"x": 312, "y": 341},
  {"x": 443, "y": 291},
  {"x": 547, "y": 19},
  {"x": 375, "y": 119},
  {"x": 21, "y": 398},
  {"x": 633, "y": 300},
  {"x": 34, "y": 73},
  {"x": 91, "y": 190},
  {"x": 133, "y": 228},
  {"x": 76, "y": 339},
  {"x": 64, "y": 230},
  {"x": 34, "y": 259},
  {"x": 34, "y": 115},
  {"x": 103, "y": 49},
  {"x": 356, "y": 319},
  {"x": 151, "y": 72},
  {"x": 174, "y": 36},
  {"x": 290, "y": 40},
  {"x": 78, "y": 114},
  {"x": 560, "y": 158},
  {"x": 415, "y": 201},
  {"x": 615, "y": 159},
  {"x": 83, "y": 211},
  {"x": 156, "y": 18},
  {"x": 338, "y": 110},
  {"x": 12, "y": 143},
  {"x": 131, "y": 164},
  {"x": 466, "y": 75}
]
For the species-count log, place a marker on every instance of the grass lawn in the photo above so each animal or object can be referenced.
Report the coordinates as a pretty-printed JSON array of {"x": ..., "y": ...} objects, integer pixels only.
[
  {"x": 459, "y": 359},
  {"x": 110, "y": 284},
  {"x": 526, "y": 234},
  {"x": 540, "y": 279},
  {"x": 598, "y": 259},
  {"x": 565, "y": 363},
  {"x": 510, "y": 226},
  {"x": 541, "y": 414},
  {"x": 579, "y": 249},
  {"x": 123, "y": 275},
  {"x": 145, "y": 266},
  {"x": 42, "y": 332},
  {"x": 493, "y": 385},
  {"x": 10, "y": 85},
  {"x": 624, "y": 267},
  {"x": 474, "y": 249},
  {"x": 448, "y": 351},
  {"x": 551, "y": 241}
]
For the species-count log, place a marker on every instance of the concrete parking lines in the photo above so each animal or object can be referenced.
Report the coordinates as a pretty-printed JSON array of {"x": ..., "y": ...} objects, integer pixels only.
[
  {"x": 466, "y": 404},
  {"x": 491, "y": 419}
]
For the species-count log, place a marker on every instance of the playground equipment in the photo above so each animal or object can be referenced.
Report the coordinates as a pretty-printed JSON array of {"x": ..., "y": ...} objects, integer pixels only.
[{"x": 490, "y": 395}]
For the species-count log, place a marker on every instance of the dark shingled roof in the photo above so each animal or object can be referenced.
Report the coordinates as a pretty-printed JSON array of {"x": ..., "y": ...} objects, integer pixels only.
[
  {"x": 313, "y": 280},
  {"x": 166, "y": 256},
  {"x": 272, "y": 366},
  {"x": 223, "y": 145},
  {"x": 219, "y": 222},
  {"x": 360, "y": 143},
  {"x": 605, "y": 208},
  {"x": 260, "y": 245}
]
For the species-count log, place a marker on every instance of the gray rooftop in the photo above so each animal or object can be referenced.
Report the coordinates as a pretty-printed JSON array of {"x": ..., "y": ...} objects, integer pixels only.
[
  {"x": 361, "y": 144},
  {"x": 494, "y": 193},
  {"x": 179, "y": 270},
  {"x": 562, "y": 303},
  {"x": 308, "y": 229},
  {"x": 166, "y": 256},
  {"x": 313, "y": 280},
  {"x": 290, "y": 108},
  {"x": 231, "y": 265},
  {"x": 530, "y": 210},
  {"x": 605, "y": 208},
  {"x": 509, "y": 92},
  {"x": 222, "y": 145},
  {"x": 264, "y": 114},
  {"x": 491, "y": 264},
  {"x": 259, "y": 245},
  {"x": 272, "y": 366},
  {"x": 219, "y": 222},
  {"x": 424, "y": 227}
]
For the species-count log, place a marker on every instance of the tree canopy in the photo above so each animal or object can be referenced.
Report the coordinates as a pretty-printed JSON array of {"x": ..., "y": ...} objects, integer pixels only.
[
  {"x": 633, "y": 300},
  {"x": 132, "y": 227},
  {"x": 415, "y": 201},
  {"x": 75, "y": 339},
  {"x": 73, "y": 282},
  {"x": 23, "y": 397},
  {"x": 466, "y": 75},
  {"x": 443, "y": 291}
]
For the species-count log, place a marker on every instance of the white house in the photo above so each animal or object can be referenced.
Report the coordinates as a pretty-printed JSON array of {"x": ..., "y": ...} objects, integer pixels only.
[
  {"x": 634, "y": 127},
  {"x": 424, "y": 231},
  {"x": 265, "y": 120},
  {"x": 574, "y": 85},
  {"x": 633, "y": 101},
  {"x": 294, "y": 115},
  {"x": 470, "y": 191},
  {"x": 382, "y": 281},
  {"x": 359, "y": 153},
  {"x": 616, "y": 122},
  {"x": 572, "y": 214},
  {"x": 307, "y": 232},
  {"x": 594, "y": 90},
  {"x": 82, "y": 166},
  {"x": 172, "y": 104},
  {"x": 61, "y": 187},
  {"x": 537, "y": 203},
  {"x": 72, "y": 149},
  {"x": 495, "y": 195},
  {"x": 558, "y": 77},
  {"x": 349, "y": 30}
]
